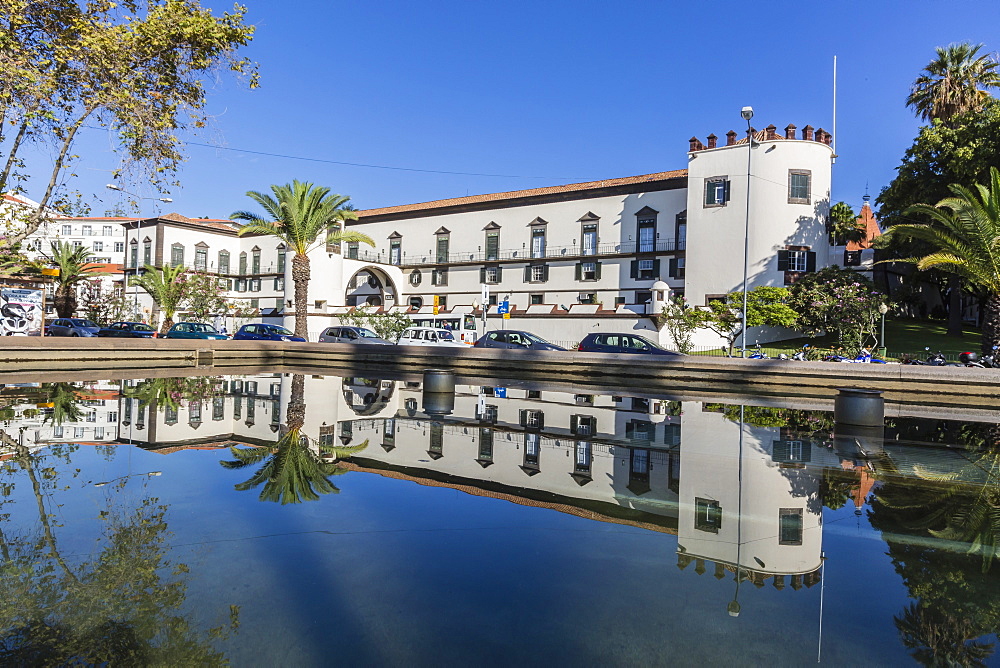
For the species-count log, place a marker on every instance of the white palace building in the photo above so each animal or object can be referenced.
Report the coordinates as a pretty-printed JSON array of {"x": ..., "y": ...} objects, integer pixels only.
[{"x": 568, "y": 259}]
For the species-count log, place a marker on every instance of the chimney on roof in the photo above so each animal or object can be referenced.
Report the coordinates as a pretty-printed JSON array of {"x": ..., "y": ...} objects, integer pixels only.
[
  {"x": 696, "y": 144},
  {"x": 771, "y": 134},
  {"x": 730, "y": 137},
  {"x": 790, "y": 131},
  {"x": 807, "y": 133},
  {"x": 712, "y": 141},
  {"x": 823, "y": 136}
]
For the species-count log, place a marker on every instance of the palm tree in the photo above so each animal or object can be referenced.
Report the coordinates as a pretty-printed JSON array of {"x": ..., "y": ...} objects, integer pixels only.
[
  {"x": 75, "y": 266},
  {"x": 166, "y": 288},
  {"x": 845, "y": 224},
  {"x": 965, "y": 230},
  {"x": 303, "y": 217},
  {"x": 953, "y": 83}
]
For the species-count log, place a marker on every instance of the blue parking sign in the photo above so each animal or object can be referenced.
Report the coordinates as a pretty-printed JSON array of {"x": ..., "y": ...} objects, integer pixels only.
[
  {"x": 500, "y": 392},
  {"x": 503, "y": 307}
]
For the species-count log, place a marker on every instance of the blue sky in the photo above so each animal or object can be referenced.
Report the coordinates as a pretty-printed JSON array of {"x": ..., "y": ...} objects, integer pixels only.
[{"x": 547, "y": 92}]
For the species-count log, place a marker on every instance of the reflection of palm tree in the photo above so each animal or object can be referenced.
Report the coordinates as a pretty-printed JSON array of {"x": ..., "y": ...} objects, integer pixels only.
[
  {"x": 65, "y": 400},
  {"x": 291, "y": 472},
  {"x": 938, "y": 638}
]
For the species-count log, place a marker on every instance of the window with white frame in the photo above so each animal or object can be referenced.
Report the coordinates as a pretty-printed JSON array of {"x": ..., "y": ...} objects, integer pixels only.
[
  {"x": 797, "y": 260},
  {"x": 98, "y": 433},
  {"x": 67, "y": 230},
  {"x": 395, "y": 252},
  {"x": 108, "y": 230},
  {"x": 57, "y": 432},
  {"x": 538, "y": 242},
  {"x": 537, "y": 273},
  {"x": 87, "y": 231},
  {"x": 716, "y": 191},
  {"x": 646, "y": 269},
  {"x": 98, "y": 246},
  {"x": 647, "y": 235},
  {"x": 588, "y": 271},
  {"x": 119, "y": 246},
  {"x": 439, "y": 276},
  {"x": 77, "y": 432},
  {"x": 492, "y": 274},
  {"x": 113, "y": 416},
  {"x": 589, "y": 245},
  {"x": 77, "y": 244}
]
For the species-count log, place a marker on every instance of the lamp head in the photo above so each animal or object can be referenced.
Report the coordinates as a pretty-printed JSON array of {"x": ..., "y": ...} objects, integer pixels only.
[
  {"x": 746, "y": 113},
  {"x": 166, "y": 200},
  {"x": 112, "y": 186}
]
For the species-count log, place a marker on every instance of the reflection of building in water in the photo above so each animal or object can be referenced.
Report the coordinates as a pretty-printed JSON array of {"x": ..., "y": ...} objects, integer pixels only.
[
  {"x": 37, "y": 414},
  {"x": 611, "y": 458},
  {"x": 167, "y": 414},
  {"x": 748, "y": 500}
]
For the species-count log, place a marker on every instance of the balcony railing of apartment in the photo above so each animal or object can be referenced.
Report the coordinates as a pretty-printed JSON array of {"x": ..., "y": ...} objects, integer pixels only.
[
  {"x": 521, "y": 254},
  {"x": 212, "y": 268}
]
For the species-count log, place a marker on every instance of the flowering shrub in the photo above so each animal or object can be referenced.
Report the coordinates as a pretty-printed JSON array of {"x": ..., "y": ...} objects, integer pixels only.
[{"x": 838, "y": 301}]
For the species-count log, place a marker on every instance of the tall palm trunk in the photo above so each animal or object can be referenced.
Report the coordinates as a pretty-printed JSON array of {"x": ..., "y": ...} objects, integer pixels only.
[
  {"x": 300, "y": 276},
  {"x": 991, "y": 324},
  {"x": 65, "y": 300},
  {"x": 955, "y": 306},
  {"x": 295, "y": 414}
]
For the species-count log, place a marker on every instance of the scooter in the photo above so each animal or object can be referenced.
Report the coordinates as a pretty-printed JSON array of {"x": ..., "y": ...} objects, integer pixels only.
[
  {"x": 990, "y": 361},
  {"x": 865, "y": 357},
  {"x": 938, "y": 359},
  {"x": 971, "y": 359},
  {"x": 801, "y": 355},
  {"x": 755, "y": 354}
]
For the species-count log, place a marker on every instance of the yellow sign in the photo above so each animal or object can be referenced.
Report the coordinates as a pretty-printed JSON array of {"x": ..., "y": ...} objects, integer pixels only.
[
  {"x": 437, "y": 301},
  {"x": 50, "y": 271},
  {"x": 506, "y": 316},
  {"x": 435, "y": 308}
]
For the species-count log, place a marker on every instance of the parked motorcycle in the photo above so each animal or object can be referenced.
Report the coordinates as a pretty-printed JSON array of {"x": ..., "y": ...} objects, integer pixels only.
[
  {"x": 971, "y": 359},
  {"x": 990, "y": 361},
  {"x": 802, "y": 355},
  {"x": 938, "y": 359}
]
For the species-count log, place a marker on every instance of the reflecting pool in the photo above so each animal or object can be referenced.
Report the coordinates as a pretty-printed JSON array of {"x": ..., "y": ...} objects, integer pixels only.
[{"x": 293, "y": 519}]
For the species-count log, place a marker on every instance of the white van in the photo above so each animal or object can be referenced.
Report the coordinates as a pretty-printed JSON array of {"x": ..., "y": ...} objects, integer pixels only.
[{"x": 429, "y": 336}]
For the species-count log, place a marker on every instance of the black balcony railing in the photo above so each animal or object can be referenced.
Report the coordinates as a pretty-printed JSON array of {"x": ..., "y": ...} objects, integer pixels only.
[{"x": 525, "y": 254}]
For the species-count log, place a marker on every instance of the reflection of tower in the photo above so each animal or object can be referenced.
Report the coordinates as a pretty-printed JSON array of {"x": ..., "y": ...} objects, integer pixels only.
[{"x": 745, "y": 504}]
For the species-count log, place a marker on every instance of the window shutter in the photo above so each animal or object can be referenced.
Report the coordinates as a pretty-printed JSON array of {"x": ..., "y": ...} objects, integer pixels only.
[
  {"x": 579, "y": 270},
  {"x": 482, "y": 274},
  {"x": 633, "y": 269},
  {"x": 783, "y": 260},
  {"x": 593, "y": 425},
  {"x": 725, "y": 197},
  {"x": 630, "y": 429},
  {"x": 708, "y": 192},
  {"x": 574, "y": 420},
  {"x": 672, "y": 268},
  {"x": 541, "y": 420},
  {"x": 597, "y": 270},
  {"x": 499, "y": 273},
  {"x": 527, "y": 274},
  {"x": 656, "y": 268},
  {"x": 545, "y": 272},
  {"x": 811, "y": 261},
  {"x": 523, "y": 417}
]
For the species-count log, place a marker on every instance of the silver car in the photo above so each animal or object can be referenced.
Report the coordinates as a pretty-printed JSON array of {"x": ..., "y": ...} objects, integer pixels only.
[
  {"x": 72, "y": 327},
  {"x": 359, "y": 335}
]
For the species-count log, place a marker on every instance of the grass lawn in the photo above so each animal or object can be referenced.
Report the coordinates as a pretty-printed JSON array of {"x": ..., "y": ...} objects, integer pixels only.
[{"x": 902, "y": 335}]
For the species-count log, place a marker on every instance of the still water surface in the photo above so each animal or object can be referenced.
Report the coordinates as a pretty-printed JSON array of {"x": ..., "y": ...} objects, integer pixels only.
[{"x": 308, "y": 520}]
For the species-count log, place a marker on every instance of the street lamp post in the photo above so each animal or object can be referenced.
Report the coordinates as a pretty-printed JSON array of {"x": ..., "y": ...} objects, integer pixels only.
[
  {"x": 883, "y": 308},
  {"x": 747, "y": 114},
  {"x": 135, "y": 292}
]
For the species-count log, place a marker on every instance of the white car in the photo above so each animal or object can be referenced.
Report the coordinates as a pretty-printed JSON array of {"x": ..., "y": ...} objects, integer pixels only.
[{"x": 429, "y": 336}]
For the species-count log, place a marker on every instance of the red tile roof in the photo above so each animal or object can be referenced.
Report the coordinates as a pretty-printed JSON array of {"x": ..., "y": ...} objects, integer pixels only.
[{"x": 521, "y": 194}]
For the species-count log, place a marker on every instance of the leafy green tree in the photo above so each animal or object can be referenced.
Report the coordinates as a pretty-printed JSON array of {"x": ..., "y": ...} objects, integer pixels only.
[
  {"x": 386, "y": 325},
  {"x": 965, "y": 238},
  {"x": 204, "y": 297},
  {"x": 75, "y": 266},
  {"x": 845, "y": 226},
  {"x": 682, "y": 321},
  {"x": 166, "y": 289},
  {"x": 105, "y": 306},
  {"x": 837, "y": 301},
  {"x": 953, "y": 83},
  {"x": 766, "y": 307},
  {"x": 136, "y": 67},
  {"x": 304, "y": 217}
]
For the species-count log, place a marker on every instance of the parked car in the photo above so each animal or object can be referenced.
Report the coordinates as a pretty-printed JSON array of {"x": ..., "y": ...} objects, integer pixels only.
[
  {"x": 613, "y": 342},
  {"x": 517, "y": 340},
  {"x": 72, "y": 327},
  {"x": 194, "y": 330},
  {"x": 265, "y": 332},
  {"x": 359, "y": 335},
  {"x": 429, "y": 336},
  {"x": 132, "y": 330}
]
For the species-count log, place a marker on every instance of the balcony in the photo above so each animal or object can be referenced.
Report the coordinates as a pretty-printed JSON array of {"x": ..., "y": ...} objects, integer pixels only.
[{"x": 623, "y": 248}]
